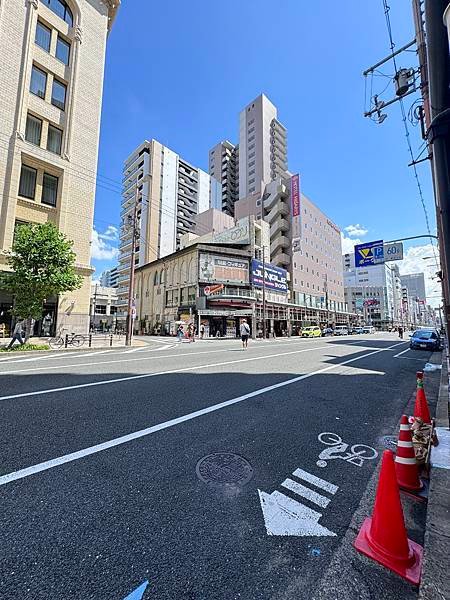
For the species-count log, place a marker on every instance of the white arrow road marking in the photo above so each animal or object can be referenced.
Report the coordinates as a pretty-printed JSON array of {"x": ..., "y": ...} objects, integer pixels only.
[{"x": 284, "y": 516}]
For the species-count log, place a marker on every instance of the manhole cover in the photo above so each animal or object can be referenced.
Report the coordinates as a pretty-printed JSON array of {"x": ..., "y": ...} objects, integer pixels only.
[
  {"x": 389, "y": 442},
  {"x": 224, "y": 467}
]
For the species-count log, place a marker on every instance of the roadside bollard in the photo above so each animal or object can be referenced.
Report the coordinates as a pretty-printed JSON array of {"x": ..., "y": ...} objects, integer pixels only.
[
  {"x": 66, "y": 341},
  {"x": 110, "y": 341},
  {"x": 90, "y": 340}
]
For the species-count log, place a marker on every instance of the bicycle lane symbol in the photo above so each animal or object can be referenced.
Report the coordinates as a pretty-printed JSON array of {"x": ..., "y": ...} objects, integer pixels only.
[{"x": 339, "y": 450}]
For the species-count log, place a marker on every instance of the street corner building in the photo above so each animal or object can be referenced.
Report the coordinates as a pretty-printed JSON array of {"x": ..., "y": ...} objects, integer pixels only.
[{"x": 51, "y": 82}]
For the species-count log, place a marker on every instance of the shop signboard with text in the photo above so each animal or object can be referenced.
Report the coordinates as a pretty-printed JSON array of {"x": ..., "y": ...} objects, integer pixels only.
[
  {"x": 275, "y": 277},
  {"x": 222, "y": 269}
]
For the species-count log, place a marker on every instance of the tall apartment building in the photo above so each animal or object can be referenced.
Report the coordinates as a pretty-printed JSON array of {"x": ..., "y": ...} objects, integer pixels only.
[
  {"x": 224, "y": 167},
  {"x": 51, "y": 82},
  {"x": 169, "y": 192},
  {"x": 262, "y": 146},
  {"x": 109, "y": 278}
]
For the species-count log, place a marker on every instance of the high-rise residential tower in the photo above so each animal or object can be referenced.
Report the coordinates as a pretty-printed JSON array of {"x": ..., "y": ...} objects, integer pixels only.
[
  {"x": 224, "y": 166},
  {"x": 169, "y": 192},
  {"x": 262, "y": 146},
  {"x": 51, "y": 83}
]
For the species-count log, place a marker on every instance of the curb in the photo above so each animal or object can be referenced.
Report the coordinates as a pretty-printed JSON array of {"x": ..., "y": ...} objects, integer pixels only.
[{"x": 435, "y": 581}]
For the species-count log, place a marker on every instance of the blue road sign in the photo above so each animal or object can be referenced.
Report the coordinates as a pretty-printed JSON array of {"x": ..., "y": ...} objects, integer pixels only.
[{"x": 369, "y": 254}]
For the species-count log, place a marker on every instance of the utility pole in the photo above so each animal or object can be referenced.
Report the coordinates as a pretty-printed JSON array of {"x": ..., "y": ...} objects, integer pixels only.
[
  {"x": 264, "y": 292},
  {"x": 439, "y": 131},
  {"x": 131, "y": 308},
  {"x": 93, "y": 308}
]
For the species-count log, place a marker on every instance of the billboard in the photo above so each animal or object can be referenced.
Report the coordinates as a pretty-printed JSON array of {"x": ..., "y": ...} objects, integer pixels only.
[
  {"x": 222, "y": 269},
  {"x": 275, "y": 277},
  {"x": 369, "y": 254},
  {"x": 235, "y": 235},
  {"x": 295, "y": 212}
]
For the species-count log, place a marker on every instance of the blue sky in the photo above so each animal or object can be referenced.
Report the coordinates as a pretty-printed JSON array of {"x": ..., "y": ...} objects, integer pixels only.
[{"x": 180, "y": 72}]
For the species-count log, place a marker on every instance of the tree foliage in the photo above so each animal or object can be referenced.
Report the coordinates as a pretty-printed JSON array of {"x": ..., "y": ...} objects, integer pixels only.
[{"x": 43, "y": 265}]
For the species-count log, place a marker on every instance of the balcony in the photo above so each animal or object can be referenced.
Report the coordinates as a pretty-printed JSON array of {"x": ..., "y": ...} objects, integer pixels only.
[{"x": 230, "y": 293}]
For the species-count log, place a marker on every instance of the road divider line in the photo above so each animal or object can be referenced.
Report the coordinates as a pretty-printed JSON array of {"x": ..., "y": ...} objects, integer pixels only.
[
  {"x": 67, "y": 458},
  {"x": 400, "y": 353}
]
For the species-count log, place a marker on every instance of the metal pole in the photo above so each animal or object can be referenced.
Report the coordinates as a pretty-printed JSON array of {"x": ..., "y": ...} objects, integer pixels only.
[
  {"x": 129, "y": 334},
  {"x": 264, "y": 292},
  {"x": 439, "y": 130},
  {"x": 95, "y": 302}
]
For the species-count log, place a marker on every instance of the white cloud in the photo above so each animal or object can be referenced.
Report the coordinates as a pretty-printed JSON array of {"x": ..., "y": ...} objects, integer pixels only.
[
  {"x": 110, "y": 233},
  {"x": 356, "y": 230},
  {"x": 100, "y": 248},
  {"x": 348, "y": 244},
  {"x": 414, "y": 262}
]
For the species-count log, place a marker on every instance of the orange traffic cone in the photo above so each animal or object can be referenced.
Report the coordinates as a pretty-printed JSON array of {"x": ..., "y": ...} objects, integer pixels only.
[
  {"x": 421, "y": 405},
  {"x": 405, "y": 459},
  {"x": 383, "y": 537}
]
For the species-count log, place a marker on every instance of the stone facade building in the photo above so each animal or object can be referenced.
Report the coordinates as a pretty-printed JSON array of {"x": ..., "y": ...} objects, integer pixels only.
[{"x": 51, "y": 83}]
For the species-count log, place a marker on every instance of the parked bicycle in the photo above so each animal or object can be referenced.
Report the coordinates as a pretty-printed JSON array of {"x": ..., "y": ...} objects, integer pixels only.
[{"x": 73, "y": 339}]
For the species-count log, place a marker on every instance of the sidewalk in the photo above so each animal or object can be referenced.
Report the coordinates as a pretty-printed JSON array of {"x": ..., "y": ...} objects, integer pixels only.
[
  {"x": 435, "y": 580},
  {"x": 96, "y": 341}
]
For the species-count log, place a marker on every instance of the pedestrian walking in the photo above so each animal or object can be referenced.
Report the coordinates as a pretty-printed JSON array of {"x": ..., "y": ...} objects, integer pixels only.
[
  {"x": 245, "y": 332},
  {"x": 17, "y": 334},
  {"x": 191, "y": 332},
  {"x": 202, "y": 331},
  {"x": 400, "y": 332},
  {"x": 180, "y": 332}
]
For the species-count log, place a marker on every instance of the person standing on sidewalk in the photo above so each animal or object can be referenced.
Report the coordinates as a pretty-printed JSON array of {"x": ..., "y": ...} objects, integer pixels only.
[
  {"x": 17, "y": 334},
  {"x": 245, "y": 332}
]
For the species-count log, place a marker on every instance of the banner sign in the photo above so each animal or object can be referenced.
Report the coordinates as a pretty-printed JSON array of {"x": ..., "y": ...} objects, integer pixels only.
[
  {"x": 275, "y": 277},
  {"x": 295, "y": 212},
  {"x": 369, "y": 254},
  {"x": 371, "y": 302},
  {"x": 221, "y": 269},
  {"x": 212, "y": 289}
]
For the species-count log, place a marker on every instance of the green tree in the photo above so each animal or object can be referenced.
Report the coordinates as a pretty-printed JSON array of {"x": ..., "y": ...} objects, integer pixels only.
[{"x": 43, "y": 265}]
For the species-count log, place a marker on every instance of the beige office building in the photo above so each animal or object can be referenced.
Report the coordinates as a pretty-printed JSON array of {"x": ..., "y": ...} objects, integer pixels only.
[{"x": 51, "y": 83}]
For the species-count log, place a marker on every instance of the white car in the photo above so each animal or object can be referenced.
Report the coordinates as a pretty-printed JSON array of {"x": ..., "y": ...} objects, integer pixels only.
[
  {"x": 341, "y": 330},
  {"x": 369, "y": 329}
]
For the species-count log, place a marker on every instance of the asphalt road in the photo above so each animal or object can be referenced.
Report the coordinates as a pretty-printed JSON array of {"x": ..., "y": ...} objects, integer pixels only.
[{"x": 102, "y": 483}]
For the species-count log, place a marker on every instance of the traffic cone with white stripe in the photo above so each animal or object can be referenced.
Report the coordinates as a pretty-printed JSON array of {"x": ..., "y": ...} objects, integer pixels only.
[
  {"x": 405, "y": 459},
  {"x": 383, "y": 537},
  {"x": 421, "y": 409}
]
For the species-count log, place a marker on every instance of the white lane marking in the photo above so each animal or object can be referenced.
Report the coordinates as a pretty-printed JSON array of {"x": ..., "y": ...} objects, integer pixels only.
[
  {"x": 320, "y": 483},
  {"x": 305, "y": 492},
  {"x": 146, "y": 375},
  {"x": 44, "y": 466},
  {"x": 400, "y": 353},
  {"x": 135, "y": 359}
]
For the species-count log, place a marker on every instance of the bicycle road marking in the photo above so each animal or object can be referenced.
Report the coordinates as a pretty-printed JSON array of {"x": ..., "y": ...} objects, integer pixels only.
[{"x": 73, "y": 456}]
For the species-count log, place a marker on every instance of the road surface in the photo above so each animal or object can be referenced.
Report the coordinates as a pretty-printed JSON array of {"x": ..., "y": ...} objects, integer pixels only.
[{"x": 194, "y": 467}]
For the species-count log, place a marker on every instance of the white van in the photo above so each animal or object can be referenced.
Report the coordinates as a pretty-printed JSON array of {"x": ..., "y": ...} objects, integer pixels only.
[
  {"x": 341, "y": 330},
  {"x": 369, "y": 329}
]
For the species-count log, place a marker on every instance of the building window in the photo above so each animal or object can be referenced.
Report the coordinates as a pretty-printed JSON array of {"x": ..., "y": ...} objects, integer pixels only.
[
  {"x": 54, "y": 139},
  {"x": 38, "y": 82},
  {"x": 33, "y": 130},
  {"x": 62, "y": 50},
  {"x": 59, "y": 94},
  {"x": 100, "y": 309},
  {"x": 60, "y": 8},
  {"x": 43, "y": 36},
  {"x": 27, "y": 185},
  {"x": 113, "y": 310},
  {"x": 49, "y": 189}
]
